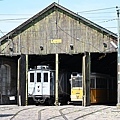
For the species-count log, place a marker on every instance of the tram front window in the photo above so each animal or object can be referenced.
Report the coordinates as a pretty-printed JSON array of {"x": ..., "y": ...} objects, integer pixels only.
[{"x": 77, "y": 82}]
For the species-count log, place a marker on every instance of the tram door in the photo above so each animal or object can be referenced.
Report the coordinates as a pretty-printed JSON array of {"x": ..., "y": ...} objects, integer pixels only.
[
  {"x": 31, "y": 83},
  {"x": 38, "y": 83},
  {"x": 34, "y": 83},
  {"x": 45, "y": 82}
]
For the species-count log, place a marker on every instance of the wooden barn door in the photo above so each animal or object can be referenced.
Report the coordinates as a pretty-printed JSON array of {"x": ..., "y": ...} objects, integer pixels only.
[{"x": 5, "y": 80}]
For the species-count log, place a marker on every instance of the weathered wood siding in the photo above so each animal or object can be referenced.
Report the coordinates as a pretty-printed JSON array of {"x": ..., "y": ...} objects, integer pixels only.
[{"x": 58, "y": 25}]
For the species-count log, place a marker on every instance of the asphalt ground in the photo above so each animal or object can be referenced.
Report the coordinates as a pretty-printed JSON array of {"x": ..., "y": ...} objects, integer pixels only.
[{"x": 65, "y": 112}]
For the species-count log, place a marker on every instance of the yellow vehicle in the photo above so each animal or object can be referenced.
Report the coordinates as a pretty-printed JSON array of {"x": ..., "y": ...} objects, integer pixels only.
[
  {"x": 102, "y": 88},
  {"x": 76, "y": 87}
]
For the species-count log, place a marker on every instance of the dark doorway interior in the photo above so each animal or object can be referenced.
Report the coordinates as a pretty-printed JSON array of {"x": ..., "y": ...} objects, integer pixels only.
[
  {"x": 100, "y": 62},
  {"x": 104, "y": 63}
]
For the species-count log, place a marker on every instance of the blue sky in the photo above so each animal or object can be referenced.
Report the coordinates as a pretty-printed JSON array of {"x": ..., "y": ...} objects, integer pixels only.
[{"x": 15, "y": 12}]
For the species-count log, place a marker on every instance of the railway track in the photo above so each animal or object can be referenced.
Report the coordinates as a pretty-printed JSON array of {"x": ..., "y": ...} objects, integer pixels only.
[
  {"x": 55, "y": 112},
  {"x": 65, "y": 116},
  {"x": 12, "y": 118},
  {"x": 39, "y": 113},
  {"x": 25, "y": 109},
  {"x": 90, "y": 113},
  {"x": 61, "y": 114}
]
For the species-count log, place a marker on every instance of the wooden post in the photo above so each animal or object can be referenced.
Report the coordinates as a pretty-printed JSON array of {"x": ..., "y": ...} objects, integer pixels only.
[
  {"x": 118, "y": 61},
  {"x": 18, "y": 84},
  {"x": 26, "y": 80},
  {"x": 56, "y": 81},
  {"x": 23, "y": 79},
  {"x": 86, "y": 79}
]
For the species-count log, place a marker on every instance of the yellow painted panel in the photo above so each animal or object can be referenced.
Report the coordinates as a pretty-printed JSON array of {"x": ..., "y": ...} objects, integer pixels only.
[
  {"x": 76, "y": 94},
  {"x": 56, "y": 41},
  {"x": 97, "y": 96}
]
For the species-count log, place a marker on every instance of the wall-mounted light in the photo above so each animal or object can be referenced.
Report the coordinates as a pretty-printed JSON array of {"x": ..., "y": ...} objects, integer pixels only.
[
  {"x": 11, "y": 49},
  {"x": 41, "y": 47},
  {"x": 71, "y": 46},
  {"x": 105, "y": 45}
]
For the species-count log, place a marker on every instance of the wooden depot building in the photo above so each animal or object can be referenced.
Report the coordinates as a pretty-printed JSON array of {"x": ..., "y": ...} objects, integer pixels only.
[{"x": 57, "y": 37}]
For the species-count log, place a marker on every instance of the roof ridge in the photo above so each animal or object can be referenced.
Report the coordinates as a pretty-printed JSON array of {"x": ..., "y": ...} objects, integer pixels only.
[{"x": 54, "y": 4}]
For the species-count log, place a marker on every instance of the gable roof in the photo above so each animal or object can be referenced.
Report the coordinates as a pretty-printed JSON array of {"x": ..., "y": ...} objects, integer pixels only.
[{"x": 59, "y": 7}]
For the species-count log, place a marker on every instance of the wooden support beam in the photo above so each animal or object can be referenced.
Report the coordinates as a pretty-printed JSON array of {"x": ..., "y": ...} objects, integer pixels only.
[
  {"x": 86, "y": 79},
  {"x": 56, "y": 80},
  {"x": 23, "y": 79},
  {"x": 26, "y": 97},
  {"x": 18, "y": 84}
]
